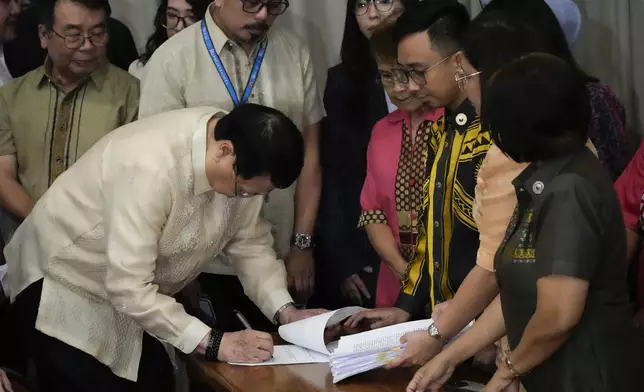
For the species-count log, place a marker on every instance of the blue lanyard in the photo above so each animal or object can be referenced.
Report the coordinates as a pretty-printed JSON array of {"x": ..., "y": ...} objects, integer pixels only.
[{"x": 222, "y": 70}]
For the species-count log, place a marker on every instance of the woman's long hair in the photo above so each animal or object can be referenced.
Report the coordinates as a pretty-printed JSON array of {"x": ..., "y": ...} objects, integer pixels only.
[
  {"x": 357, "y": 61},
  {"x": 159, "y": 36}
]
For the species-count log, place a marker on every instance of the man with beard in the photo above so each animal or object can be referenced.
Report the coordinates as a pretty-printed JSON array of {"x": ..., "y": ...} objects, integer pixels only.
[{"x": 236, "y": 56}]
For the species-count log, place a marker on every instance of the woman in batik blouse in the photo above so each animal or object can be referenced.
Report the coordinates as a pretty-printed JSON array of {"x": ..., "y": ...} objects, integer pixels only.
[{"x": 391, "y": 197}]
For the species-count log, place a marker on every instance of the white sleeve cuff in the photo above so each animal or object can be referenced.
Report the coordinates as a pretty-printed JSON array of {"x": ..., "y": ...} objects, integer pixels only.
[
  {"x": 192, "y": 336},
  {"x": 274, "y": 302}
]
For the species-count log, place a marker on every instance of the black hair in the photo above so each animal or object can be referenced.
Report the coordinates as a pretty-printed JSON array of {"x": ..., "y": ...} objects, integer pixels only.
[
  {"x": 444, "y": 20},
  {"x": 46, "y": 9},
  {"x": 537, "y": 108},
  {"x": 540, "y": 17},
  {"x": 382, "y": 44},
  {"x": 357, "y": 61},
  {"x": 496, "y": 38},
  {"x": 266, "y": 142},
  {"x": 159, "y": 36}
]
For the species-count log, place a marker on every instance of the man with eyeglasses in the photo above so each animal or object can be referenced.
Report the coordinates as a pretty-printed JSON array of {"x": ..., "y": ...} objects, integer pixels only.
[
  {"x": 235, "y": 56},
  {"x": 94, "y": 267},
  {"x": 428, "y": 35},
  {"x": 52, "y": 115}
]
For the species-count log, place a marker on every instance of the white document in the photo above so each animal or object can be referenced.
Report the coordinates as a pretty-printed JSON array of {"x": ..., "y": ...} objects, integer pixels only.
[
  {"x": 379, "y": 339},
  {"x": 307, "y": 337},
  {"x": 372, "y": 349},
  {"x": 290, "y": 355}
]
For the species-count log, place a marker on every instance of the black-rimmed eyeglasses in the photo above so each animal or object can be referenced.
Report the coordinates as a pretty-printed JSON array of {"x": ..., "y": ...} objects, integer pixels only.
[
  {"x": 419, "y": 77},
  {"x": 273, "y": 7},
  {"x": 362, "y": 6},
  {"x": 172, "y": 20},
  {"x": 75, "y": 41}
]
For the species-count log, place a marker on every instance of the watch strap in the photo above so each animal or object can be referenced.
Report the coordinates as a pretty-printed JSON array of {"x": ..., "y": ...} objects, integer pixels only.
[
  {"x": 214, "y": 343},
  {"x": 276, "y": 318}
]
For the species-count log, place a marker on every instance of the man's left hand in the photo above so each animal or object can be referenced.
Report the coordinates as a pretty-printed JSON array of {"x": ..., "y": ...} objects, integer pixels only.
[
  {"x": 420, "y": 348},
  {"x": 300, "y": 272},
  {"x": 293, "y": 314}
]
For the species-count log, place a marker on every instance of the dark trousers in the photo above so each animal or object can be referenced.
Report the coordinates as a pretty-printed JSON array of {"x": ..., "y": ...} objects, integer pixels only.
[
  {"x": 226, "y": 295},
  {"x": 61, "y": 367}
]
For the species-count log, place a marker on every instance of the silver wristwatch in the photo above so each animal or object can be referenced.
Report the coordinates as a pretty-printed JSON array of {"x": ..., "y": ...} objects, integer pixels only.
[
  {"x": 435, "y": 333},
  {"x": 303, "y": 241}
]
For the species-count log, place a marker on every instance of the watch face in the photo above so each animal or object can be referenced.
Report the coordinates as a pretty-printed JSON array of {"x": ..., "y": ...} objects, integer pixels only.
[{"x": 302, "y": 241}]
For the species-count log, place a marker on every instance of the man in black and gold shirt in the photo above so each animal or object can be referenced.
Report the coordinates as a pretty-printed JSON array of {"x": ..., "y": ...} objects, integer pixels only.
[{"x": 428, "y": 36}]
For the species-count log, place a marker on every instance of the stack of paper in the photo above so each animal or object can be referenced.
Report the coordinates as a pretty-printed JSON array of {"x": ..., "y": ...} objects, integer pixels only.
[
  {"x": 307, "y": 337},
  {"x": 348, "y": 356},
  {"x": 370, "y": 350}
]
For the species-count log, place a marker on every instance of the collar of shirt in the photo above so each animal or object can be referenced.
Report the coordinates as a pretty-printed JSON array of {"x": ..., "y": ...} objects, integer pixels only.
[
  {"x": 199, "y": 142},
  {"x": 97, "y": 77},
  {"x": 462, "y": 117},
  {"x": 399, "y": 116},
  {"x": 219, "y": 39},
  {"x": 535, "y": 178}
]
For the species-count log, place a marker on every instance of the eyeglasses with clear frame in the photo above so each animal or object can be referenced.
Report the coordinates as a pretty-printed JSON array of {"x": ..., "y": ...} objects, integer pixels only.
[
  {"x": 273, "y": 7},
  {"x": 76, "y": 41},
  {"x": 362, "y": 6},
  {"x": 172, "y": 20},
  {"x": 390, "y": 78}
]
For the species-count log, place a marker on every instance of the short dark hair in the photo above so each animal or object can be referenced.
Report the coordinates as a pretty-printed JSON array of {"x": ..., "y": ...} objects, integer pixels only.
[
  {"x": 382, "y": 43},
  {"x": 496, "y": 38},
  {"x": 537, "y": 108},
  {"x": 538, "y": 15},
  {"x": 443, "y": 20},
  {"x": 46, "y": 9},
  {"x": 266, "y": 142}
]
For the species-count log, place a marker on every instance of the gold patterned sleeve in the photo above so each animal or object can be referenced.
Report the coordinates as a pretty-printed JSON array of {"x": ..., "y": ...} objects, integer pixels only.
[{"x": 370, "y": 217}]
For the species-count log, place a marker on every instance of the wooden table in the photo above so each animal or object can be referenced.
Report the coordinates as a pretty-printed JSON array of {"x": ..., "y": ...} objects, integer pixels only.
[{"x": 222, "y": 377}]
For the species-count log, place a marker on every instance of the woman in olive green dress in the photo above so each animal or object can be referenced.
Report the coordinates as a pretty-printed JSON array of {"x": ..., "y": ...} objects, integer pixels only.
[{"x": 561, "y": 269}]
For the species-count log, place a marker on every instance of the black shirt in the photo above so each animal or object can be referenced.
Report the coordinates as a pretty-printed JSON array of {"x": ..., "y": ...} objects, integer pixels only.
[
  {"x": 568, "y": 222},
  {"x": 448, "y": 237}
]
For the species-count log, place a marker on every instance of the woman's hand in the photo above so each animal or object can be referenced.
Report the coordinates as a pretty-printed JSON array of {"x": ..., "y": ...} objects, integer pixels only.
[
  {"x": 420, "y": 348},
  {"x": 433, "y": 375},
  {"x": 501, "y": 381}
]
